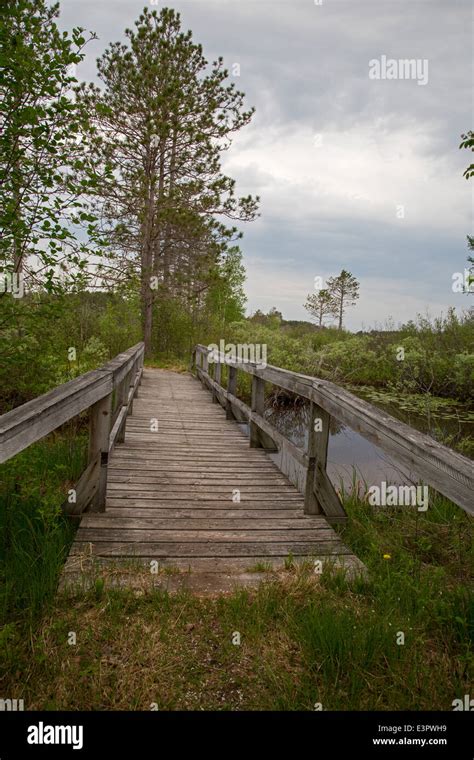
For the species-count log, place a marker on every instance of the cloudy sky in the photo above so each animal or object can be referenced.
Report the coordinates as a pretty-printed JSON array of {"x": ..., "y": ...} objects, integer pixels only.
[{"x": 354, "y": 172}]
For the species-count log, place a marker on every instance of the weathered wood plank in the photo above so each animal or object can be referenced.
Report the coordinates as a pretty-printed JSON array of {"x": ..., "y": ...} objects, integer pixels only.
[
  {"x": 118, "y": 424},
  {"x": 191, "y": 496},
  {"x": 222, "y": 567},
  {"x": 34, "y": 420},
  {"x": 205, "y": 513},
  {"x": 150, "y": 482},
  {"x": 194, "y": 522},
  {"x": 207, "y": 549},
  {"x": 189, "y": 468},
  {"x": 85, "y": 489},
  {"x": 170, "y": 494},
  {"x": 184, "y": 536},
  {"x": 320, "y": 496},
  {"x": 100, "y": 422},
  {"x": 127, "y": 501}
]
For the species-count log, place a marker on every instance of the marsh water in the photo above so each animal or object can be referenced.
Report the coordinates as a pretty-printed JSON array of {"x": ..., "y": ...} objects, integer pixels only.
[{"x": 350, "y": 455}]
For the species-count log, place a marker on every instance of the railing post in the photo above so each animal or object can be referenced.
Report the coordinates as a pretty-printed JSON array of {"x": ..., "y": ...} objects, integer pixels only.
[
  {"x": 231, "y": 388},
  {"x": 131, "y": 383},
  {"x": 258, "y": 406},
  {"x": 320, "y": 496},
  {"x": 204, "y": 367},
  {"x": 318, "y": 438},
  {"x": 197, "y": 361},
  {"x": 124, "y": 390},
  {"x": 99, "y": 431},
  {"x": 138, "y": 366},
  {"x": 217, "y": 379}
]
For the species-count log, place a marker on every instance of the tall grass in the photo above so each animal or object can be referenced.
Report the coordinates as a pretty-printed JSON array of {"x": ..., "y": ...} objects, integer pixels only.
[
  {"x": 34, "y": 534},
  {"x": 306, "y": 640}
]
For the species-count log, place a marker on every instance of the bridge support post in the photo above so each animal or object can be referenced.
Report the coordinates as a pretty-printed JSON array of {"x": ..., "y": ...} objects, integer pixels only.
[
  {"x": 122, "y": 400},
  {"x": 258, "y": 406},
  {"x": 217, "y": 378},
  {"x": 133, "y": 374},
  {"x": 130, "y": 383},
  {"x": 231, "y": 388},
  {"x": 99, "y": 432},
  {"x": 318, "y": 438},
  {"x": 204, "y": 367},
  {"x": 320, "y": 496}
]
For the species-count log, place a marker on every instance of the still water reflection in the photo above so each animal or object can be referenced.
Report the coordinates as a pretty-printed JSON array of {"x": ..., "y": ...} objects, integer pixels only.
[{"x": 349, "y": 453}]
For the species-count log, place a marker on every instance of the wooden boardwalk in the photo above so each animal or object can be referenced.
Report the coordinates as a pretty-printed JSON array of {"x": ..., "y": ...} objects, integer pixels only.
[{"x": 173, "y": 493}]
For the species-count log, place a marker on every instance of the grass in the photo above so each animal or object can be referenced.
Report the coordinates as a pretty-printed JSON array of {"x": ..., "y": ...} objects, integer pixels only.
[
  {"x": 173, "y": 364},
  {"x": 260, "y": 567},
  {"x": 304, "y": 639},
  {"x": 34, "y": 535}
]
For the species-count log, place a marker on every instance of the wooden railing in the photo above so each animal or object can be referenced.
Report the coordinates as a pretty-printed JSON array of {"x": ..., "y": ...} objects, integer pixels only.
[
  {"x": 108, "y": 392},
  {"x": 436, "y": 465}
]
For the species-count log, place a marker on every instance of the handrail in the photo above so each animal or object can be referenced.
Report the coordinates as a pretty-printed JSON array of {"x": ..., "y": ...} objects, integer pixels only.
[
  {"x": 445, "y": 470},
  {"x": 108, "y": 391}
]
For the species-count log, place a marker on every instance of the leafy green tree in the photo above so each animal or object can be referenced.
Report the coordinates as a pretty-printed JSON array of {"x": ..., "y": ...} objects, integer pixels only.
[
  {"x": 259, "y": 317},
  {"x": 344, "y": 290},
  {"x": 43, "y": 146},
  {"x": 274, "y": 318},
  {"x": 226, "y": 295}
]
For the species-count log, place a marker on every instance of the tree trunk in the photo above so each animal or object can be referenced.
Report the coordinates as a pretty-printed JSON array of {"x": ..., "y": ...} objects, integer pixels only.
[
  {"x": 147, "y": 269},
  {"x": 146, "y": 298},
  {"x": 167, "y": 235}
]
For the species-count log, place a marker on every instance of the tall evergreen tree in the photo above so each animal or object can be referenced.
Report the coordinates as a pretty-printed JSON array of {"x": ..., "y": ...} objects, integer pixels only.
[
  {"x": 344, "y": 290},
  {"x": 320, "y": 305},
  {"x": 163, "y": 119}
]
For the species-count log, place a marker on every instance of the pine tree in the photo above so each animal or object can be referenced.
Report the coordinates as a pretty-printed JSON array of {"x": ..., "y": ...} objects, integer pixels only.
[
  {"x": 344, "y": 290},
  {"x": 163, "y": 119},
  {"x": 320, "y": 305}
]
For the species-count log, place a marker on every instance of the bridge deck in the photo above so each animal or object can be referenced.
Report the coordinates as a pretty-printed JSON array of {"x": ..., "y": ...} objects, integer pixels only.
[{"x": 171, "y": 495}]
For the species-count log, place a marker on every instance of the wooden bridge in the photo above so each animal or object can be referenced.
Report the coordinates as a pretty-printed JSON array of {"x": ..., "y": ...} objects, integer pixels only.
[{"x": 174, "y": 486}]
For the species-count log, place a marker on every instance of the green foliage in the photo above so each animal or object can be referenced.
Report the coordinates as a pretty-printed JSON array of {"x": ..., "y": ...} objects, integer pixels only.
[
  {"x": 180, "y": 323},
  {"x": 343, "y": 290},
  {"x": 468, "y": 143},
  {"x": 340, "y": 292},
  {"x": 44, "y": 146},
  {"x": 320, "y": 305},
  {"x": 34, "y": 535},
  {"x": 306, "y": 639},
  {"x": 35, "y": 352},
  {"x": 438, "y": 355}
]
